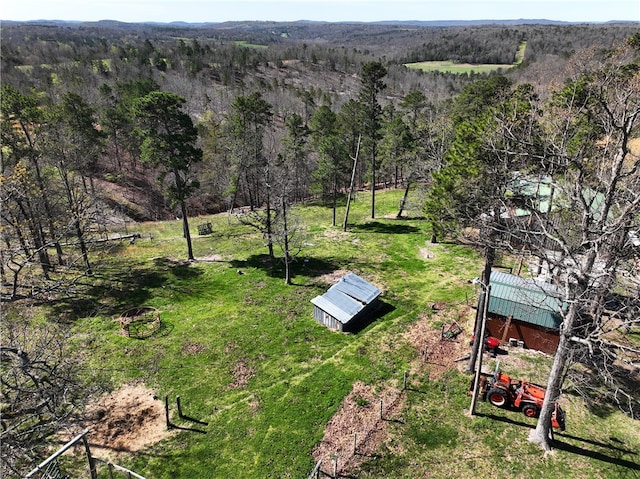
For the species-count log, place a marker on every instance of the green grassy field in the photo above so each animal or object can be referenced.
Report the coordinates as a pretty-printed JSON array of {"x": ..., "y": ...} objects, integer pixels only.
[
  {"x": 460, "y": 68},
  {"x": 244, "y": 43},
  {"x": 297, "y": 372},
  {"x": 467, "y": 68}
]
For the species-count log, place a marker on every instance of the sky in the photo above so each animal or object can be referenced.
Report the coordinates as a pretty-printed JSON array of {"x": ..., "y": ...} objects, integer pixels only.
[{"x": 196, "y": 11}]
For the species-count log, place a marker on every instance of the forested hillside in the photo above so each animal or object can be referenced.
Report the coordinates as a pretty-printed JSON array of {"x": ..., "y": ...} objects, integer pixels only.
[
  {"x": 296, "y": 68},
  {"x": 77, "y": 141}
]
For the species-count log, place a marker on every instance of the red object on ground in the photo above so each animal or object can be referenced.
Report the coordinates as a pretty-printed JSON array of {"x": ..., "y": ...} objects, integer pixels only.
[
  {"x": 505, "y": 392},
  {"x": 490, "y": 342}
]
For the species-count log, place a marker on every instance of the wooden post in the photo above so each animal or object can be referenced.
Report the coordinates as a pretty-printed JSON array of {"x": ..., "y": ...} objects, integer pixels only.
[
  {"x": 92, "y": 463},
  {"x": 355, "y": 440},
  {"x": 506, "y": 329},
  {"x": 335, "y": 465},
  {"x": 404, "y": 382},
  {"x": 353, "y": 175},
  {"x": 179, "y": 407},
  {"x": 166, "y": 410},
  {"x": 380, "y": 408}
]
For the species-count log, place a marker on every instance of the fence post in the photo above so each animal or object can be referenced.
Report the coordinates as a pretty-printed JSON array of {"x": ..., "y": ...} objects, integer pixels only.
[
  {"x": 404, "y": 382},
  {"x": 166, "y": 410},
  {"x": 380, "y": 408},
  {"x": 315, "y": 474},
  {"x": 355, "y": 440},
  {"x": 92, "y": 463},
  {"x": 335, "y": 465},
  {"x": 179, "y": 406}
]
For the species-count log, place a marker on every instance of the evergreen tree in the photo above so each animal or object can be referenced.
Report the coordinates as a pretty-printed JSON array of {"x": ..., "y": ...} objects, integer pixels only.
[
  {"x": 170, "y": 143},
  {"x": 372, "y": 85}
]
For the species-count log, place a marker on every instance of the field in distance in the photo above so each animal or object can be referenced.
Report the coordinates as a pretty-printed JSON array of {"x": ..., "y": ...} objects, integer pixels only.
[
  {"x": 447, "y": 66},
  {"x": 451, "y": 67}
]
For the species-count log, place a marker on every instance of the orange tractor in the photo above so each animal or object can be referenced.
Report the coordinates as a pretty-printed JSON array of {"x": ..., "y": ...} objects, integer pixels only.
[{"x": 504, "y": 392}]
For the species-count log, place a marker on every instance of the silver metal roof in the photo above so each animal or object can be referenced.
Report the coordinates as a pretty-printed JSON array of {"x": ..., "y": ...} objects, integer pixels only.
[{"x": 347, "y": 297}]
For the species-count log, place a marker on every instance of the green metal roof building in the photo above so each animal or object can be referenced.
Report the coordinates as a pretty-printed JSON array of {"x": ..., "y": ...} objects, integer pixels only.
[{"x": 525, "y": 310}]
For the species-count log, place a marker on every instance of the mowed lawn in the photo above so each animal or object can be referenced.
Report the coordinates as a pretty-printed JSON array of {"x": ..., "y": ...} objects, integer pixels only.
[{"x": 242, "y": 350}]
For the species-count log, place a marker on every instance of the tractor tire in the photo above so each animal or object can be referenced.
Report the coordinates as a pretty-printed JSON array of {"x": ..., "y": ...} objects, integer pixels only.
[
  {"x": 498, "y": 397},
  {"x": 531, "y": 410}
]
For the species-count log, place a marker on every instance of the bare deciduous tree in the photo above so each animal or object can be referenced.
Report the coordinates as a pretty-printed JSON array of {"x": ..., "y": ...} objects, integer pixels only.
[
  {"x": 41, "y": 390},
  {"x": 584, "y": 238}
]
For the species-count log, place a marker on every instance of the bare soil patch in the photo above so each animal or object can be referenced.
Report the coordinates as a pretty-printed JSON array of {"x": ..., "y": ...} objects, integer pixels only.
[
  {"x": 333, "y": 277},
  {"x": 359, "y": 417},
  {"x": 242, "y": 373},
  {"x": 438, "y": 355},
  {"x": 190, "y": 348},
  {"x": 126, "y": 420}
]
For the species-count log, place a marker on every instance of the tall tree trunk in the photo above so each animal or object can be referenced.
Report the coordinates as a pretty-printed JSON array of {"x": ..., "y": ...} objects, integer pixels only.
[
  {"x": 373, "y": 181},
  {"x": 185, "y": 229},
  {"x": 37, "y": 235},
  {"x": 48, "y": 211},
  {"x": 287, "y": 259},
  {"x": 335, "y": 200},
  {"x": 540, "y": 435},
  {"x": 353, "y": 175},
  {"x": 490, "y": 255},
  {"x": 403, "y": 202},
  {"x": 183, "y": 208},
  {"x": 83, "y": 244},
  {"x": 269, "y": 219},
  {"x": 73, "y": 208}
]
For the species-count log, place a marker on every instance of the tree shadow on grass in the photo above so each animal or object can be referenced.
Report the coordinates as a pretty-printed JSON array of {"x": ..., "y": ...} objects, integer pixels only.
[
  {"x": 604, "y": 445},
  {"x": 385, "y": 228},
  {"x": 115, "y": 289},
  {"x": 274, "y": 267},
  {"x": 612, "y": 458}
]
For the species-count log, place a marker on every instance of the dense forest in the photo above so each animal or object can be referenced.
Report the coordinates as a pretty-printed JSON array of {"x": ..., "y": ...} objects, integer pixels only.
[{"x": 296, "y": 68}]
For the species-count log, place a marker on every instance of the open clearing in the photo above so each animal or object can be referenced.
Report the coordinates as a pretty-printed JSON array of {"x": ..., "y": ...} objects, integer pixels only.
[
  {"x": 451, "y": 67},
  {"x": 273, "y": 391}
]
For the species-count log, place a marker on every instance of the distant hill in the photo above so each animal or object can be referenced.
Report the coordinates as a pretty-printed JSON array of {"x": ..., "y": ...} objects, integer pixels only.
[{"x": 418, "y": 23}]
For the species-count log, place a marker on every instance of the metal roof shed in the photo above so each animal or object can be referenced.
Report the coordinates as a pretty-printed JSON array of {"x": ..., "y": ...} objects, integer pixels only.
[
  {"x": 526, "y": 300},
  {"x": 526, "y": 310},
  {"x": 350, "y": 298}
]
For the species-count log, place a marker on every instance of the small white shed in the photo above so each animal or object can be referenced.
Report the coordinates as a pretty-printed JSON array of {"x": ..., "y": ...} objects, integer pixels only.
[{"x": 349, "y": 299}]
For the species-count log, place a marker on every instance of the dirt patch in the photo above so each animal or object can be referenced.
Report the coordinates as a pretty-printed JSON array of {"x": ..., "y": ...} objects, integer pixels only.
[
  {"x": 426, "y": 253},
  {"x": 190, "y": 348},
  {"x": 128, "y": 419},
  {"x": 438, "y": 355},
  {"x": 333, "y": 277},
  {"x": 241, "y": 372},
  {"x": 359, "y": 418}
]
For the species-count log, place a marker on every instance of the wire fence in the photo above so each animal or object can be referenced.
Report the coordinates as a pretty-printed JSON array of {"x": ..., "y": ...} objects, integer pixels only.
[{"x": 50, "y": 467}]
